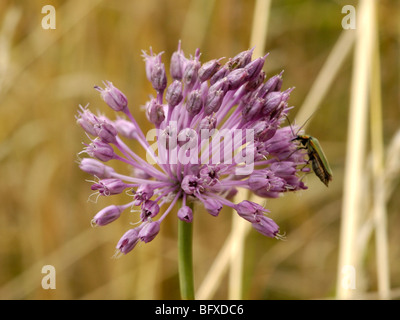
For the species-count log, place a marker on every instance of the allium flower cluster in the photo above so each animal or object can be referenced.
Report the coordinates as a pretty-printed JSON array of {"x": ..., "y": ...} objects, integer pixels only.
[{"x": 217, "y": 127}]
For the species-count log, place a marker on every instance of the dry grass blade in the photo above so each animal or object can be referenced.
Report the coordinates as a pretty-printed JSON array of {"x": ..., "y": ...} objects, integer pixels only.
[
  {"x": 355, "y": 154},
  {"x": 379, "y": 192}
]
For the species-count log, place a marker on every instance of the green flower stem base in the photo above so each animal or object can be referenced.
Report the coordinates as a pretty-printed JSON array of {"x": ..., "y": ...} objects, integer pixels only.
[{"x": 185, "y": 235}]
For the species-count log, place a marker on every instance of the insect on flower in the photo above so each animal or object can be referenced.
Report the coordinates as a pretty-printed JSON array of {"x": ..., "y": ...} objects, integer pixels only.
[{"x": 316, "y": 155}]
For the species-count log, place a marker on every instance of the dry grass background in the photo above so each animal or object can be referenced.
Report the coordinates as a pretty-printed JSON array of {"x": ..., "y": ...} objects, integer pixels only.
[{"x": 44, "y": 213}]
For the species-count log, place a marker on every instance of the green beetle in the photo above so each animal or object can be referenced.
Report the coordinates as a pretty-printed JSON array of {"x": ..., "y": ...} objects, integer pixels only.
[{"x": 317, "y": 157}]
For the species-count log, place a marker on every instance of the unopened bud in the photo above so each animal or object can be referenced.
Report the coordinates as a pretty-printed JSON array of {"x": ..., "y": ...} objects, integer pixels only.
[
  {"x": 208, "y": 69},
  {"x": 190, "y": 74},
  {"x": 108, "y": 187},
  {"x": 237, "y": 78},
  {"x": 174, "y": 93},
  {"x": 159, "y": 77},
  {"x": 96, "y": 168},
  {"x": 155, "y": 112},
  {"x": 213, "y": 206},
  {"x": 100, "y": 150},
  {"x": 126, "y": 128},
  {"x": 115, "y": 99},
  {"x": 194, "y": 103},
  {"x": 150, "y": 209},
  {"x": 240, "y": 60},
  {"x": 107, "y": 215},
  {"x": 185, "y": 214},
  {"x": 149, "y": 231},
  {"x": 128, "y": 241}
]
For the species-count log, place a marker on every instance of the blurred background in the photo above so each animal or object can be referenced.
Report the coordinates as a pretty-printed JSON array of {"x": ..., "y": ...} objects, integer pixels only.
[{"x": 44, "y": 213}]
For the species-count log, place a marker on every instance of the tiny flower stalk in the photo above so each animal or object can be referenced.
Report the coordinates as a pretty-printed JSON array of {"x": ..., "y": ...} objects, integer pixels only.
[{"x": 217, "y": 127}]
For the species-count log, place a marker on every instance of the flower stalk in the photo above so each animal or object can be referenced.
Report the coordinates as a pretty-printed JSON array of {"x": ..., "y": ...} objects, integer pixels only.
[{"x": 185, "y": 259}]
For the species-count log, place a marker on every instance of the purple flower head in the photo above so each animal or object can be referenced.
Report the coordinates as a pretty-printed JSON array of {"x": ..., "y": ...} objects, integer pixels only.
[{"x": 216, "y": 127}]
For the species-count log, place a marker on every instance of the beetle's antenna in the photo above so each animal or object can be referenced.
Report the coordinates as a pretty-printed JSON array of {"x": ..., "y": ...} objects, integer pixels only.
[
  {"x": 290, "y": 125},
  {"x": 302, "y": 126}
]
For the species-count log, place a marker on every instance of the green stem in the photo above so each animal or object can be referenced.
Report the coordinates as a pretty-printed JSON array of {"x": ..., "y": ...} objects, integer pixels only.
[{"x": 185, "y": 235}]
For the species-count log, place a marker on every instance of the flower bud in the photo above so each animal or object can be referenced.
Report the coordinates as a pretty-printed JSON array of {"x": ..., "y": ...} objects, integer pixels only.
[
  {"x": 159, "y": 77},
  {"x": 185, "y": 214},
  {"x": 150, "y": 61},
  {"x": 87, "y": 120},
  {"x": 240, "y": 60},
  {"x": 96, "y": 168},
  {"x": 126, "y": 128},
  {"x": 237, "y": 78},
  {"x": 254, "y": 68},
  {"x": 252, "y": 109},
  {"x": 250, "y": 211},
  {"x": 208, "y": 69},
  {"x": 178, "y": 63},
  {"x": 108, "y": 187},
  {"x": 220, "y": 74},
  {"x": 106, "y": 132},
  {"x": 149, "y": 231},
  {"x": 141, "y": 174},
  {"x": 194, "y": 103},
  {"x": 107, "y": 215},
  {"x": 214, "y": 99},
  {"x": 150, "y": 209},
  {"x": 190, "y": 74},
  {"x": 208, "y": 123},
  {"x": 143, "y": 193},
  {"x": 115, "y": 99},
  {"x": 255, "y": 83},
  {"x": 213, "y": 206},
  {"x": 128, "y": 241},
  {"x": 174, "y": 93},
  {"x": 272, "y": 84},
  {"x": 272, "y": 101},
  {"x": 267, "y": 227},
  {"x": 100, "y": 150},
  {"x": 155, "y": 112}
]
